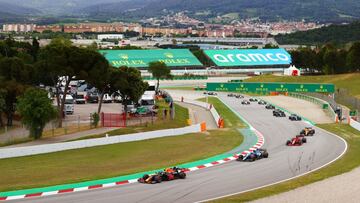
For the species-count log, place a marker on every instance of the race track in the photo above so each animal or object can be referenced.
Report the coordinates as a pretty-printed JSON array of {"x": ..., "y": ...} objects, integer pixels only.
[{"x": 284, "y": 162}]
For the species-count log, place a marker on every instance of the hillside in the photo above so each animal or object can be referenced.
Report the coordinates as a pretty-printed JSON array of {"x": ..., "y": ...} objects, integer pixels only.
[
  {"x": 273, "y": 10},
  {"x": 335, "y": 33},
  {"x": 19, "y": 10}
]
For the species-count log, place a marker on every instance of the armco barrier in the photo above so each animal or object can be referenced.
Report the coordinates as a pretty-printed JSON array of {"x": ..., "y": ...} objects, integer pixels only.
[
  {"x": 213, "y": 111},
  {"x": 354, "y": 124},
  {"x": 48, "y": 148},
  {"x": 317, "y": 101}
]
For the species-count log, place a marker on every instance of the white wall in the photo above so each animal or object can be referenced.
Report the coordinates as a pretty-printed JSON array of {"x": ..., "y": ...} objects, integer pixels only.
[
  {"x": 355, "y": 124},
  {"x": 48, "y": 148}
]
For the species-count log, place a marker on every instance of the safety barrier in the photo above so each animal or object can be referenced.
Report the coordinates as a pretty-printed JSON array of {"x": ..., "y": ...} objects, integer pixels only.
[
  {"x": 353, "y": 123},
  {"x": 324, "y": 104},
  {"x": 210, "y": 107},
  {"x": 48, "y": 148}
]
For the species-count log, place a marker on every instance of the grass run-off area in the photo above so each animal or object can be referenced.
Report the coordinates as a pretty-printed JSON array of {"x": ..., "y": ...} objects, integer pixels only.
[
  {"x": 114, "y": 160},
  {"x": 181, "y": 116},
  {"x": 231, "y": 120},
  {"x": 351, "y": 82},
  {"x": 349, "y": 161}
]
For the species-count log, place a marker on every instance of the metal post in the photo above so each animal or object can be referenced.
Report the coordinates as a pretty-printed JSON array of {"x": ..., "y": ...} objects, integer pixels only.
[{"x": 78, "y": 122}]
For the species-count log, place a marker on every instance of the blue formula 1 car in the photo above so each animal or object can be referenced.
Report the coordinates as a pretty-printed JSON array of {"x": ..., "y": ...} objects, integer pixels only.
[{"x": 254, "y": 155}]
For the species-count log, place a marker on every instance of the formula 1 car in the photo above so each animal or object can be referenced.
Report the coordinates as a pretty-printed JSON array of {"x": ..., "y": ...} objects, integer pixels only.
[
  {"x": 231, "y": 95},
  {"x": 253, "y": 99},
  {"x": 150, "y": 179},
  {"x": 254, "y": 155},
  {"x": 269, "y": 106},
  {"x": 239, "y": 96},
  {"x": 211, "y": 93},
  {"x": 294, "y": 117},
  {"x": 262, "y": 102},
  {"x": 167, "y": 175},
  {"x": 307, "y": 131},
  {"x": 245, "y": 102},
  {"x": 278, "y": 113},
  {"x": 296, "y": 141}
]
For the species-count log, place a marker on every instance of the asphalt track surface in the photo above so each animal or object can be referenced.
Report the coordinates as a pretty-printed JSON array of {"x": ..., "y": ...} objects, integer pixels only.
[{"x": 284, "y": 162}]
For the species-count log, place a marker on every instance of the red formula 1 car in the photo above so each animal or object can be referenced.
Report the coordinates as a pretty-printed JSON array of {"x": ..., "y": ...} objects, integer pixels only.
[
  {"x": 296, "y": 141},
  {"x": 167, "y": 175}
]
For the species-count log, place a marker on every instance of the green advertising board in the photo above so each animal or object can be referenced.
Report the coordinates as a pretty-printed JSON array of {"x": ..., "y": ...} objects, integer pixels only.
[
  {"x": 270, "y": 87},
  {"x": 142, "y": 58}
]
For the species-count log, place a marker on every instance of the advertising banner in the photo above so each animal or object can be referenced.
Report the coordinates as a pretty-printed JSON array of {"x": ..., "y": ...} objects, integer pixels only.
[
  {"x": 142, "y": 58},
  {"x": 249, "y": 57},
  {"x": 270, "y": 87}
]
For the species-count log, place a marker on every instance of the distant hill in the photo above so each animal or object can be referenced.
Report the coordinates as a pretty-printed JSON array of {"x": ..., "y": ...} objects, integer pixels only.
[
  {"x": 273, "y": 10},
  {"x": 335, "y": 33},
  {"x": 17, "y": 9}
]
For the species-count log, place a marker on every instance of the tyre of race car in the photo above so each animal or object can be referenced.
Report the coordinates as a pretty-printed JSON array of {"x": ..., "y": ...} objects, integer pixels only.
[
  {"x": 146, "y": 176},
  {"x": 304, "y": 140},
  {"x": 157, "y": 179},
  {"x": 288, "y": 142},
  {"x": 252, "y": 157},
  {"x": 240, "y": 158},
  {"x": 182, "y": 175},
  {"x": 266, "y": 155}
]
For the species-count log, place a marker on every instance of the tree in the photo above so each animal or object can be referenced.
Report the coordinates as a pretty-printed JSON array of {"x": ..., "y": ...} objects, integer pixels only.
[
  {"x": 36, "y": 110},
  {"x": 2, "y": 106},
  {"x": 59, "y": 63},
  {"x": 99, "y": 77},
  {"x": 353, "y": 57},
  {"x": 159, "y": 70},
  {"x": 15, "y": 77},
  {"x": 128, "y": 82}
]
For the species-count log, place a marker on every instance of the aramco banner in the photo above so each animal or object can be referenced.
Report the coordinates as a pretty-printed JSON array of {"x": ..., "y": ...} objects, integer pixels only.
[
  {"x": 249, "y": 57},
  {"x": 142, "y": 58}
]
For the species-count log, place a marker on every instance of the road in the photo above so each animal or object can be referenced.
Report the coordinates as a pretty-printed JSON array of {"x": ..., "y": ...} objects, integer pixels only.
[{"x": 283, "y": 163}]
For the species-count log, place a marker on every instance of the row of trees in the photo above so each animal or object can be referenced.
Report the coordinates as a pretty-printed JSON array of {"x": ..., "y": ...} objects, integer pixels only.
[
  {"x": 24, "y": 66},
  {"x": 328, "y": 59}
]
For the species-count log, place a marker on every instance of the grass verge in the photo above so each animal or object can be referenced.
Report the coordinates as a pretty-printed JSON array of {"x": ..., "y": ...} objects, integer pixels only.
[
  {"x": 231, "y": 120},
  {"x": 115, "y": 160},
  {"x": 345, "y": 164},
  {"x": 181, "y": 115}
]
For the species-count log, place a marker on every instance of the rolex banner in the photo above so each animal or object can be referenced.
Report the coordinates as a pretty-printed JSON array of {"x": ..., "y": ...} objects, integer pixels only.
[
  {"x": 249, "y": 57},
  {"x": 142, "y": 58}
]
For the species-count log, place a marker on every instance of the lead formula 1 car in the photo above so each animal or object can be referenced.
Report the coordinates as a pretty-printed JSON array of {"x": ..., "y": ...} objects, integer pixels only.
[
  {"x": 167, "y": 175},
  {"x": 254, "y": 155}
]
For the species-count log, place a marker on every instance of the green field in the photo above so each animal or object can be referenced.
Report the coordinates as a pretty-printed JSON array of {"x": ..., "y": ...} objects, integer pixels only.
[
  {"x": 114, "y": 160},
  {"x": 345, "y": 164},
  {"x": 351, "y": 82}
]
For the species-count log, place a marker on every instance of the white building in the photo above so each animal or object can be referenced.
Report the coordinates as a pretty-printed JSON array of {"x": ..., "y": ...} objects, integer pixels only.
[
  {"x": 110, "y": 36},
  {"x": 19, "y": 27}
]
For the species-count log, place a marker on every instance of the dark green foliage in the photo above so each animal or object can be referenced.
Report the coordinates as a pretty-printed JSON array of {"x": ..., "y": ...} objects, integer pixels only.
[
  {"x": 36, "y": 110},
  {"x": 339, "y": 34},
  {"x": 159, "y": 70}
]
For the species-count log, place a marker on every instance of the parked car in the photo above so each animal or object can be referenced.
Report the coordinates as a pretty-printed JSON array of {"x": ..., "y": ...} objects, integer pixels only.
[
  {"x": 107, "y": 98},
  {"x": 69, "y": 104},
  {"x": 92, "y": 97},
  {"x": 80, "y": 98}
]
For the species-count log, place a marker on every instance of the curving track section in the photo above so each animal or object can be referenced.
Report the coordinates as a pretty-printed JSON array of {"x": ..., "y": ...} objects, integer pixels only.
[{"x": 233, "y": 177}]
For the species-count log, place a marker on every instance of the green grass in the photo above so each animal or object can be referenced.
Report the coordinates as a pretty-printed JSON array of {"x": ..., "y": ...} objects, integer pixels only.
[
  {"x": 348, "y": 162},
  {"x": 113, "y": 160},
  {"x": 118, "y": 159},
  {"x": 181, "y": 116},
  {"x": 231, "y": 120},
  {"x": 351, "y": 82}
]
